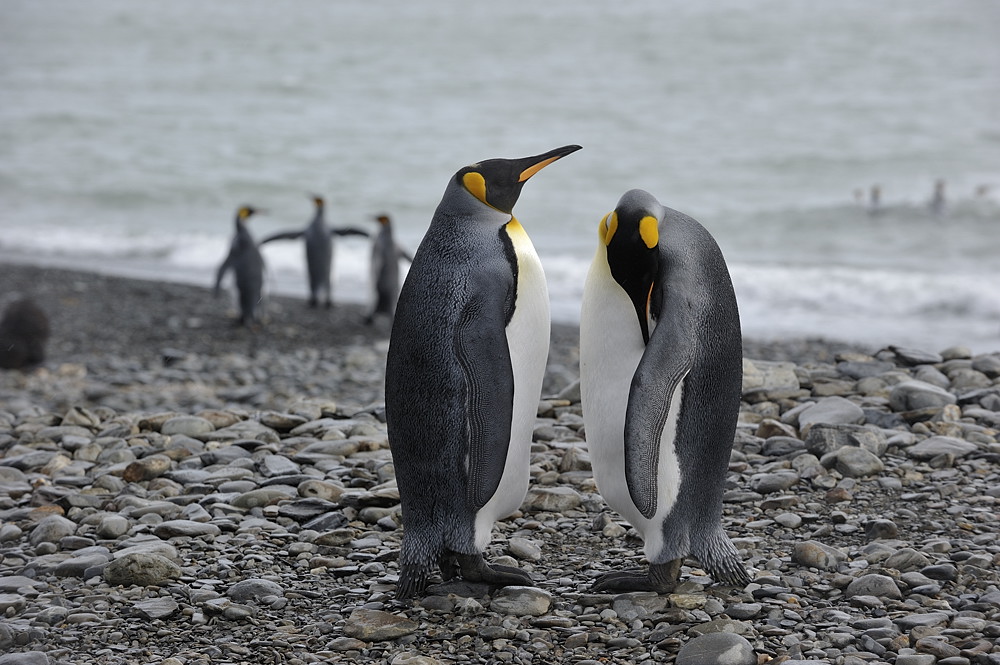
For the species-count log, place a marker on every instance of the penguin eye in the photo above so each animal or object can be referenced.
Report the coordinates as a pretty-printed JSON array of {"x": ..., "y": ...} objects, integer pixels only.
[
  {"x": 475, "y": 183},
  {"x": 649, "y": 231}
]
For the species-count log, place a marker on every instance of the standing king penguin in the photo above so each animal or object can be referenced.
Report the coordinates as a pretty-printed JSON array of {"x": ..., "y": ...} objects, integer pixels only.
[
  {"x": 464, "y": 373},
  {"x": 245, "y": 261},
  {"x": 661, "y": 378},
  {"x": 385, "y": 270},
  {"x": 319, "y": 252}
]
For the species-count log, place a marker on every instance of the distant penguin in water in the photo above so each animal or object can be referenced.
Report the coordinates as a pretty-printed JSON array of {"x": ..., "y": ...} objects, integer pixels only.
[
  {"x": 464, "y": 374},
  {"x": 245, "y": 261},
  {"x": 875, "y": 200},
  {"x": 937, "y": 202},
  {"x": 319, "y": 252},
  {"x": 661, "y": 380},
  {"x": 24, "y": 331},
  {"x": 386, "y": 255}
]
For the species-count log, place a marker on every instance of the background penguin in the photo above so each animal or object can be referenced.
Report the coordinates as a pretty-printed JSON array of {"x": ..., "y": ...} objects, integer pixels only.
[
  {"x": 464, "y": 373},
  {"x": 385, "y": 270},
  {"x": 246, "y": 262},
  {"x": 24, "y": 331},
  {"x": 319, "y": 252},
  {"x": 661, "y": 381}
]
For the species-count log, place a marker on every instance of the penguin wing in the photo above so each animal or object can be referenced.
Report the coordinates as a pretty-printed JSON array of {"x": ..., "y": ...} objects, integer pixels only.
[
  {"x": 665, "y": 363},
  {"x": 283, "y": 235},
  {"x": 483, "y": 353},
  {"x": 349, "y": 231}
]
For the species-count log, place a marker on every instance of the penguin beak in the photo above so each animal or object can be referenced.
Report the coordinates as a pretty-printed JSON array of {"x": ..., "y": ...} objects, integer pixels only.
[
  {"x": 532, "y": 165},
  {"x": 641, "y": 303}
]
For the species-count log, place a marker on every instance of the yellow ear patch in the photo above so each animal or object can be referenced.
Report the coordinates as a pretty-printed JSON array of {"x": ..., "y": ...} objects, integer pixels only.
[
  {"x": 648, "y": 230},
  {"x": 476, "y": 184},
  {"x": 244, "y": 213},
  {"x": 608, "y": 226}
]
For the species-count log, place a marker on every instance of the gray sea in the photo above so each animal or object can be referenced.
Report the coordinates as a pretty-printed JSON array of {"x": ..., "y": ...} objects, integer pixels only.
[{"x": 130, "y": 132}]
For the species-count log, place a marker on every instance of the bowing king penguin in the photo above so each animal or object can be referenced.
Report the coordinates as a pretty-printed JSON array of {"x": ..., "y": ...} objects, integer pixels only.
[
  {"x": 464, "y": 373},
  {"x": 661, "y": 379}
]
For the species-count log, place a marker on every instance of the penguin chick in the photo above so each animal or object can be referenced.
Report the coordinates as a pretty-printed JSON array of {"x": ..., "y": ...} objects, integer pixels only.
[
  {"x": 386, "y": 255},
  {"x": 464, "y": 373},
  {"x": 661, "y": 379},
  {"x": 319, "y": 252},
  {"x": 245, "y": 261}
]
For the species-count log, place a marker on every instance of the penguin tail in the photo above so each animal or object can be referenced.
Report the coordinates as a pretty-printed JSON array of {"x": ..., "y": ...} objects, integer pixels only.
[{"x": 720, "y": 558}]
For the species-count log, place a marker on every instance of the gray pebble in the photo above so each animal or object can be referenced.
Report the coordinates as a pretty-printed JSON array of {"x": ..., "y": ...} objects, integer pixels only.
[
  {"x": 141, "y": 569},
  {"x": 717, "y": 649},
  {"x": 521, "y": 601},
  {"x": 814, "y": 554}
]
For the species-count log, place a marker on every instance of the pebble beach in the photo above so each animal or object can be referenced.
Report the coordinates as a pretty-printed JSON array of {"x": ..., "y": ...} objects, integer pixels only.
[{"x": 176, "y": 489}]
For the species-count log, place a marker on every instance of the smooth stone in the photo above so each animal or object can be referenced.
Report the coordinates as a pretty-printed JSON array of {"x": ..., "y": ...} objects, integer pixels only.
[
  {"x": 742, "y": 611},
  {"x": 12, "y": 601},
  {"x": 141, "y": 570},
  {"x": 409, "y": 658},
  {"x": 25, "y": 658},
  {"x": 147, "y": 468},
  {"x": 156, "y": 608},
  {"x": 638, "y": 605},
  {"x": 912, "y": 356},
  {"x": 259, "y": 498},
  {"x": 52, "y": 529},
  {"x": 940, "y": 445},
  {"x": 768, "y": 376},
  {"x": 552, "y": 499},
  {"x": 185, "y": 528},
  {"x": 824, "y": 438},
  {"x": 77, "y": 566},
  {"x": 873, "y": 584},
  {"x": 524, "y": 549},
  {"x": 881, "y": 530},
  {"x": 521, "y": 601},
  {"x": 831, "y": 411},
  {"x": 113, "y": 526},
  {"x": 377, "y": 626},
  {"x": 321, "y": 489},
  {"x": 717, "y": 649},
  {"x": 814, "y": 554},
  {"x": 768, "y": 483},
  {"x": 913, "y": 395},
  {"x": 907, "y": 560},
  {"x": 277, "y": 465},
  {"x": 857, "y": 462},
  {"x": 15, "y": 582},
  {"x": 254, "y": 589},
  {"x": 193, "y": 426},
  {"x": 929, "y": 619}
]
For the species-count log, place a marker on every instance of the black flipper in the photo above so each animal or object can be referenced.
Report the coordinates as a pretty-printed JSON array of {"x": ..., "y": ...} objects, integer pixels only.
[{"x": 481, "y": 347}]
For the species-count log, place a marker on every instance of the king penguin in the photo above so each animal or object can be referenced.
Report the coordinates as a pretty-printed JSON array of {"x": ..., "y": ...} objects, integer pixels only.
[
  {"x": 318, "y": 238},
  {"x": 386, "y": 255},
  {"x": 464, "y": 373},
  {"x": 661, "y": 380},
  {"x": 245, "y": 261}
]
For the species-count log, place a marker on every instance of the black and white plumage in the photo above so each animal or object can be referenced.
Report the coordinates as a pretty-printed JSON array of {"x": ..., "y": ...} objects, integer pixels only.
[
  {"x": 464, "y": 373},
  {"x": 245, "y": 261},
  {"x": 661, "y": 381}
]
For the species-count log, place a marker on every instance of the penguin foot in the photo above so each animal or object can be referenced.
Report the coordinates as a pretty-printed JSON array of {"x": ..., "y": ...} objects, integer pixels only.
[
  {"x": 475, "y": 569},
  {"x": 661, "y": 578}
]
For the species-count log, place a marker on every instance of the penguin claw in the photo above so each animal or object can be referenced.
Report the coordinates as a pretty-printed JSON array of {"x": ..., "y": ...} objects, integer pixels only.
[
  {"x": 475, "y": 569},
  {"x": 661, "y": 578}
]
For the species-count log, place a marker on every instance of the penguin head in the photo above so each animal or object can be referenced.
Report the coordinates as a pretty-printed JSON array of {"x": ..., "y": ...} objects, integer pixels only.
[
  {"x": 318, "y": 200},
  {"x": 243, "y": 214},
  {"x": 631, "y": 235},
  {"x": 382, "y": 219},
  {"x": 498, "y": 182}
]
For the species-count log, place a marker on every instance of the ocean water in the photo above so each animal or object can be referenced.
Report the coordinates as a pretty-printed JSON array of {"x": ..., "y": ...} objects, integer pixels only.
[{"x": 130, "y": 132}]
